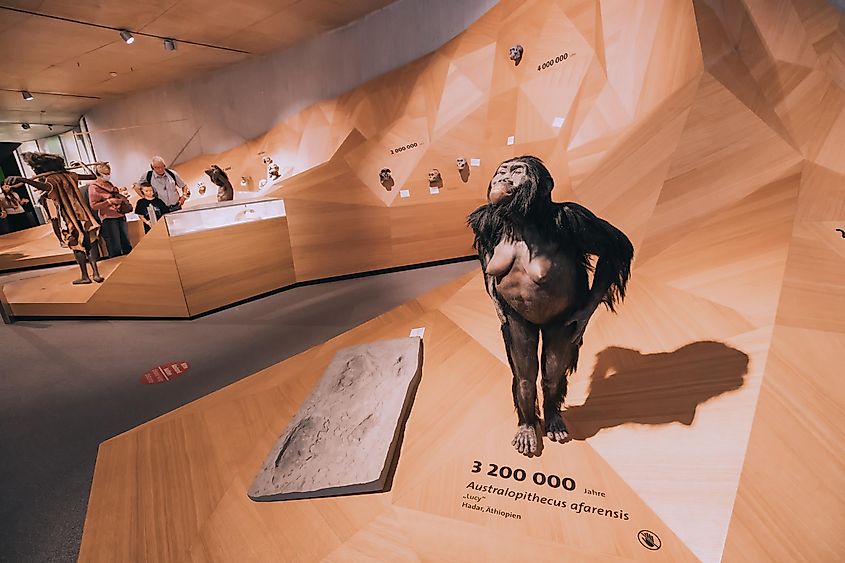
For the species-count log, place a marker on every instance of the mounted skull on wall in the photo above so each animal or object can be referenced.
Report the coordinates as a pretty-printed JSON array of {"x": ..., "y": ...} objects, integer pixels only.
[
  {"x": 515, "y": 54},
  {"x": 463, "y": 169},
  {"x": 434, "y": 178},
  {"x": 273, "y": 173},
  {"x": 386, "y": 179}
]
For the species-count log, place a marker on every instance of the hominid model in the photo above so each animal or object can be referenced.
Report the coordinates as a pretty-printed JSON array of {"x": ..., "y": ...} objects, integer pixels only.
[{"x": 535, "y": 255}]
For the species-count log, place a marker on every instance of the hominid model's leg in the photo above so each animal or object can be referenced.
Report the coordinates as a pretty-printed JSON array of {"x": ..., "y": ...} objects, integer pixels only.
[
  {"x": 560, "y": 358},
  {"x": 93, "y": 257},
  {"x": 521, "y": 341},
  {"x": 82, "y": 260}
]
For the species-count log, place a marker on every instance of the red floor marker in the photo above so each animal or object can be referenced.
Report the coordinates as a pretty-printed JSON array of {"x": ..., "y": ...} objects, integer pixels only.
[{"x": 165, "y": 373}]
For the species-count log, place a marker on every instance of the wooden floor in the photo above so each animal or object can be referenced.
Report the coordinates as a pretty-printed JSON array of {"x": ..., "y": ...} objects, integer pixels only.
[
  {"x": 710, "y": 410},
  {"x": 31, "y": 248},
  {"x": 661, "y": 409}
]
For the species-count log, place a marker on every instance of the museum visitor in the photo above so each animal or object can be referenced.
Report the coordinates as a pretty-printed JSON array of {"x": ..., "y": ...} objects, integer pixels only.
[
  {"x": 167, "y": 184},
  {"x": 111, "y": 206},
  {"x": 12, "y": 210}
]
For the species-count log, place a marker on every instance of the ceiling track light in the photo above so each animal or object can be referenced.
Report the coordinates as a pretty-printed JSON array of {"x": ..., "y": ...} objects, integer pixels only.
[
  {"x": 25, "y": 126},
  {"x": 27, "y": 95},
  {"x": 170, "y": 44},
  {"x": 126, "y": 36}
]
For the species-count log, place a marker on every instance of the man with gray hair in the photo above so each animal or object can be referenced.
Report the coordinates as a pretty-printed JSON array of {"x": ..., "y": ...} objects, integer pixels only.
[{"x": 166, "y": 183}]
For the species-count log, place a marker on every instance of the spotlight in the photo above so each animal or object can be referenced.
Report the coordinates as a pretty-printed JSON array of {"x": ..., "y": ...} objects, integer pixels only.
[
  {"x": 25, "y": 126},
  {"x": 50, "y": 126},
  {"x": 126, "y": 36},
  {"x": 27, "y": 95},
  {"x": 169, "y": 45}
]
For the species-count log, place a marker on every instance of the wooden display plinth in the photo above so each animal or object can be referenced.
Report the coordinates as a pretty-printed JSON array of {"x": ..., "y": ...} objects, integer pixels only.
[
  {"x": 167, "y": 276},
  {"x": 32, "y": 248},
  {"x": 38, "y": 247}
]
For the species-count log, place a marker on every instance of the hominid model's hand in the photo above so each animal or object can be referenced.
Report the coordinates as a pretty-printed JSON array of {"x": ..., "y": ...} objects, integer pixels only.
[
  {"x": 14, "y": 181},
  {"x": 580, "y": 318}
]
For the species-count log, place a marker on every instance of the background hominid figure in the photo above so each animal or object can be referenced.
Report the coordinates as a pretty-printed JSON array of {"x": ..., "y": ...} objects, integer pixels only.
[
  {"x": 225, "y": 192},
  {"x": 535, "y": 257},
  {"x": 79, "y": 228}
]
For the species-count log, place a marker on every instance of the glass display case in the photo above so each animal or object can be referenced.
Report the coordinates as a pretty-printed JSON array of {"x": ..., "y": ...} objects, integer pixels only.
[{"x": 222, "y": 214}]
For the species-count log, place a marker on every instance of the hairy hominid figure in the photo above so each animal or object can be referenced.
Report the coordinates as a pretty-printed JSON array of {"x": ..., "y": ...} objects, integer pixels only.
[{"x": 535, "y": 256}]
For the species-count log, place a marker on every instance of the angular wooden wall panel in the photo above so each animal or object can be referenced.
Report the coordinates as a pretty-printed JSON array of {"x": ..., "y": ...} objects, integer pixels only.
[
  {"x": 146, "y": 284},
  {"x": 222, "y": 266}
]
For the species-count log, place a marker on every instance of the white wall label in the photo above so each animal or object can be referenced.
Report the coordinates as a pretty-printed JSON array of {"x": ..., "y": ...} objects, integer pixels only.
[
  {"x": 419, "y": 331},
  {"x": 558, "y": 122},
  {"x": 511, "y": 140},
  {"x": 433, "y": 190},
  {"x": 404, "y": 193},
  {"x": 475, "y": 162}
]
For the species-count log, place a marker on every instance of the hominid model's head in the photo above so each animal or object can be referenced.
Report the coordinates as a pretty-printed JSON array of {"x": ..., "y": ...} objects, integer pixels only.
[
  {"x": 384, "y": 175},
  {"x": 519, "y": 184},
  {"x": 515, "y": 53},
  {"x": 461, "y": 162},
  {"x": 42, "y": 162},
  {"x": 434, "y": 176},
  {"x": 217, "y": 175}
]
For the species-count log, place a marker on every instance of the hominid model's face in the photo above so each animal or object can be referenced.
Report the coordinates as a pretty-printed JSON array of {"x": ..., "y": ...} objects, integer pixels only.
[{"x": 508, "y": 178}]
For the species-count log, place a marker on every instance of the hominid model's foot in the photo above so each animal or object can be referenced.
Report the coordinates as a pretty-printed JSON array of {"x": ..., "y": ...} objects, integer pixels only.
[
  {"x": 556, "y": 428},
  {"x": 525, "y": 440},
  {"x": 82, "y": 281},
  {"x": 99, "y": 279}
]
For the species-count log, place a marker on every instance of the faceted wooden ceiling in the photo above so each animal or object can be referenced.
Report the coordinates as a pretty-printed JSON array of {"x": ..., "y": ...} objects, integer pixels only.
[
  {"x": 51, "y": 55},
  {"x": 710, "y": 408}
]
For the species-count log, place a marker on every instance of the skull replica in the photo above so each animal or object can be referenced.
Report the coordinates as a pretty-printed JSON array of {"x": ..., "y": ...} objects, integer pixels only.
[
  {"x": 201, "y": 188},
  {"x": 246, "y": 181},
  {"x": 461, "y": 162},
  {"x": 434, "y": 177},
  {"x": 386, "y": 179},
  {"x": 515, "y": 54},
  {"x": 272, "y": 169}
]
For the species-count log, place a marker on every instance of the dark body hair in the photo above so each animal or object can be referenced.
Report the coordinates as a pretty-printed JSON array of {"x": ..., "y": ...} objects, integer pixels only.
[
  {"x": 572, "y": 226},
  {"x": 217, "y": 175}
]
